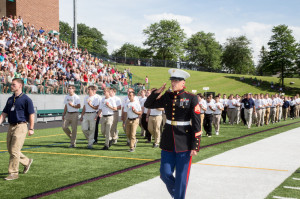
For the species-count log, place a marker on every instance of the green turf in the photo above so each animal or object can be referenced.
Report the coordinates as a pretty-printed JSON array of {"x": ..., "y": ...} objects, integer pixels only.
[
  {"x": 217, "y": 82},
  {"x": 50, "y": 171},
  {"x": 289, "y": 193}
]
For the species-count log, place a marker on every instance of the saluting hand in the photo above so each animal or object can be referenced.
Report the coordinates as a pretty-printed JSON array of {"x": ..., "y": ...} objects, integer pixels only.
[{"x": 161, "y": 89}]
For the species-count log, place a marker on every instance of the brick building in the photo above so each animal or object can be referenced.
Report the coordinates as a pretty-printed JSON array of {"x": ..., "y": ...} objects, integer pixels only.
[{"x": 40, "y": 13}]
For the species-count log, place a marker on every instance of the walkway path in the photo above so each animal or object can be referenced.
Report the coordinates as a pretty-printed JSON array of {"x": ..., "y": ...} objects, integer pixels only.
[{"x": 247, "y": 172}]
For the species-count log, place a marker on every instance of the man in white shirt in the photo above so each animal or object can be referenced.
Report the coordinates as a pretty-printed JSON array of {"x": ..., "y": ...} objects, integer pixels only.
[
  {"x": 258, "y": 107},
  {"x": 280, "y": 104},
  {"x": 154, "y": 117},
  {"x": 268, "y": 108},
  {"x": 89, "y": 112},
  {"x": 97, "y": 122},
  {"x": 273, "y": 109},
  {"x": 231, "y": 111},
  {"x": 277, "y": 107},
  {"x": 114, "y": 128},
  {"x": 70, "y": 115},
  {"x": 208, "y": 117},
  {"x": 132, "y": 110},
  {"x": 217, "y": 114},
  {"x": 297, "y": 100},
  {"x": 224, "y": 112},
  {"x": 124, "y": 102},
  {"x": 107, "y": 108},
  {"x": 203, "y": 107},
  {"x": 237, "y": 109},
  {"x": 142, "y": 101}
]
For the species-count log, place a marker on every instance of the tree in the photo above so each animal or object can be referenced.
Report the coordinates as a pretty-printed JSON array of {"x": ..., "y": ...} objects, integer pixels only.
[
  {"x": 88, "y": 38},
  {"x": 128, "y": 50},
  {"x": 91, "y": 39},
  {"x": 262, "y": 62},
  {"x": 298, "y": 61},
  {"x": 283, "y": 52},
  {"x": 237, "y": 56},
  {"x": 65, "y": 31},
  {"x": 165, "y": 39},
  {"x": 204, "y": 50}
]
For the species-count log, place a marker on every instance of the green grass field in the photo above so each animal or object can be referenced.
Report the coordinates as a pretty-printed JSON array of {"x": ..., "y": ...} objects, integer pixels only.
[
  {"x": 217, "y": 82},
  {"x": 290, "y": 182},
  {"x": 55, "y": 165}
]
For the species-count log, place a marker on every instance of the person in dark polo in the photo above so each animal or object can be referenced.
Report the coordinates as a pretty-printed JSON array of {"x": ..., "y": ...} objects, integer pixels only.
[
  {"x": 19, "y": 110},
  {"x": 180, "y": 140}
]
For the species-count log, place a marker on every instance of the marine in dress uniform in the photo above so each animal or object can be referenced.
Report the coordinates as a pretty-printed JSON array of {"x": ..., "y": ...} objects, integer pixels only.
[
  {"x": 180, "y": 139},
  {"x": 19, "y": 110}
]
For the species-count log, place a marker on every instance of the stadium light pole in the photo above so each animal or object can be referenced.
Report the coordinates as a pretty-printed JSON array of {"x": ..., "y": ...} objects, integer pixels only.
[{"x": 75, "y": 23}]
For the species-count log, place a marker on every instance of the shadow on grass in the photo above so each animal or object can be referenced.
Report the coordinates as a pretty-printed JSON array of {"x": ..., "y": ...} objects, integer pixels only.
[{"x": 266, "y": 86}]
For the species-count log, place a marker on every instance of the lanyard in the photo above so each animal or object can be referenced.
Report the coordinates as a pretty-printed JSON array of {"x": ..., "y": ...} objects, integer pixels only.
[{"x": 17, "y": 97}]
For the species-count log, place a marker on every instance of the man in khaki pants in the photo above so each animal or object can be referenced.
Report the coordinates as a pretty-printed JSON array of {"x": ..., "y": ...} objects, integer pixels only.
[
  {"x": 217, "y": 114},
  {"x": 249, "y": 106},
  {"x": 203, "y": 107},
  {"x": 114, "y": 128},
  {"x": 70, "y": 115},
  {"x": 231, "y": 109},
  {"x": 268, "y": 109},
  {"x": 132, "y": 110},
  {"x": 107, "y": 108},
  {"x": 18, "y": 116},
  {"x": 89, "y": 112},
  {"x": 154, "y": 117}
]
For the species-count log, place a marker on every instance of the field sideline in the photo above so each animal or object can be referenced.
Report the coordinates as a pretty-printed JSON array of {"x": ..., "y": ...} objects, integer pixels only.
[{"x": 56, "y": 166}]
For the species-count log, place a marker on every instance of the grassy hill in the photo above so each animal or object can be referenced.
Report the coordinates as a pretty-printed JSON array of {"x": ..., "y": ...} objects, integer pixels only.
[{"x": 217, "y": 82}]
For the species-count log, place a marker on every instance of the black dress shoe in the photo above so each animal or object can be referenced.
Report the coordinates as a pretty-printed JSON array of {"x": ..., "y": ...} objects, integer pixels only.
[
  {"x": 105, "y": 148},
  {"x": 110, "y": 143}
]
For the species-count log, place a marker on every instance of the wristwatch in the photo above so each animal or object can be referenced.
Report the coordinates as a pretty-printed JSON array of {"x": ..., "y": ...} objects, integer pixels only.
[{"x": 31, "y": 129}]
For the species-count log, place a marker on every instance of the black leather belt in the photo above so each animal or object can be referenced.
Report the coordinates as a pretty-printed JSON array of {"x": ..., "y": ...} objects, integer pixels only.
[
  {"x": 132, "y": 118},
  {"x": 106, "y": 115},
  {"x": 14, "y": 124}
]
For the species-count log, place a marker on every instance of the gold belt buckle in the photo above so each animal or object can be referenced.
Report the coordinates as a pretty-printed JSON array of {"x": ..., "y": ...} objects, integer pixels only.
[{"x": 174, "y": 123}]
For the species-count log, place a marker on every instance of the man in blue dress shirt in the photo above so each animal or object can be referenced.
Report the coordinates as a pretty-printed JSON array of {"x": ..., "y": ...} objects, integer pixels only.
[{"x": 19, "y": 110}]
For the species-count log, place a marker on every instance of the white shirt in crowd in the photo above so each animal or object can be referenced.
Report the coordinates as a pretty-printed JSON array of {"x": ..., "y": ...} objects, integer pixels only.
[
  {"x": 209, "y": 110},
  {"x": 95, "y": 101},
  {"x": 218, "y": 106},
  {"x": 224, "y": 101},
  {"x": 258, "y": 104},
  {"x": 142, "y": 102},
  {"x": 155, "y": 112},
  {"x": 126, "y": 100},
  {"x": 274, "y": 103},
  {"x": 128, "y": 109},
  {"x": 117, "y": 100},
  {"x": 202, "y": 104},
  {"x": 75, "y": 100},
  {"x": 104, "y": 107},
  {"x": 231, "y": 103},
  {"x": 264, "y": 102}
]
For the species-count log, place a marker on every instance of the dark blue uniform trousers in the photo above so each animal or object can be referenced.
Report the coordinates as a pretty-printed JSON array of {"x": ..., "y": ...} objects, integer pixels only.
[{"x": 182, "y": 162}]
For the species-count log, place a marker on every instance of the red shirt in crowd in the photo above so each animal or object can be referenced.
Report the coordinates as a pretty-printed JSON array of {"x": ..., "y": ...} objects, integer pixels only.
[{"x": 85, "y": 78}]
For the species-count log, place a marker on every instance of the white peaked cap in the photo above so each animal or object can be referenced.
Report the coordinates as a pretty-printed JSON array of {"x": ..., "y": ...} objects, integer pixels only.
[{"x": 177, "y": 74}]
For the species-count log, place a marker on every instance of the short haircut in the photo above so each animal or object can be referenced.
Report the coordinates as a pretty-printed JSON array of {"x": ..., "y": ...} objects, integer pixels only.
[
  {"x": 113, "y": 89},
  {"x": 72, "y": 86},
  {"x": 93, "y": 87},
  {"x": 19, "y": 80},
  {"x": 132, "y": 93},
  {"x": 106, "y": 89}
]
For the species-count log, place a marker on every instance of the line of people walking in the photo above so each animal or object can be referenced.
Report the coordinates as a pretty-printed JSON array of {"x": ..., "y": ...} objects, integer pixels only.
[
  {"x": 105, "y": 111},
  {"x": 258, "y": 109}
]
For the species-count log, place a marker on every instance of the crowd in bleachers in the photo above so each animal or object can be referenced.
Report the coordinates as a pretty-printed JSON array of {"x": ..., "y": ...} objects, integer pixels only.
[{"x": 49, "y": 65}]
